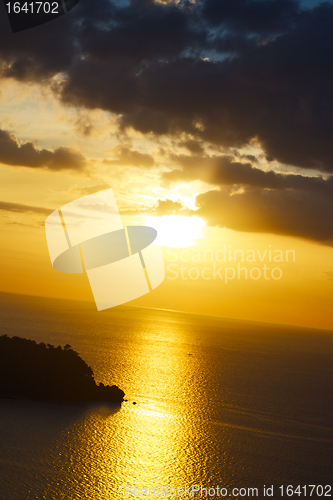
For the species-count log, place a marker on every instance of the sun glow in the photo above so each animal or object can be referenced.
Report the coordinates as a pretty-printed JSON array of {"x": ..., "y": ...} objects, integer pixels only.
[{"x": 176, "y": 230}]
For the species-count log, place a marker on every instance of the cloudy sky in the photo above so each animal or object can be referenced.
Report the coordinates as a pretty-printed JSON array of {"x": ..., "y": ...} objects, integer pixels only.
[{"x": 211, "y": 119}]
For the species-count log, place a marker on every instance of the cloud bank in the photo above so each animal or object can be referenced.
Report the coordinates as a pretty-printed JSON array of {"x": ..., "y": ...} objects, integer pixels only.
[
  {"x": 222, "y": 73},
  {"x": 28, "y": 155}
]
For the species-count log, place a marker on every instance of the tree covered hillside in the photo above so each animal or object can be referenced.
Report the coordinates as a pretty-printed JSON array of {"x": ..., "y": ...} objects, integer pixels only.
[{"x": 44, "y": 372}]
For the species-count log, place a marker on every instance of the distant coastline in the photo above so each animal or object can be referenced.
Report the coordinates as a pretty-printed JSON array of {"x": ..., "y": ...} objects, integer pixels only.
[{"x": 41, "y": 372}]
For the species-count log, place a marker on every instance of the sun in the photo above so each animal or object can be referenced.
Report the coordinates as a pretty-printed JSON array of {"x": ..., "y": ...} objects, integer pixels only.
[{"x": 176, "y": 231}]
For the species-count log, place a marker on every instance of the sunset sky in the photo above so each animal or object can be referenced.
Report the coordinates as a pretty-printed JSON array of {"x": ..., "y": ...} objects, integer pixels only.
[{"x": 210, "y": 120}]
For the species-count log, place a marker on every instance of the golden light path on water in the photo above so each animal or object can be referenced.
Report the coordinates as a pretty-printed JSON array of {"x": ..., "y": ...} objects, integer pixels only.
[{"x": 154, "y": 446}]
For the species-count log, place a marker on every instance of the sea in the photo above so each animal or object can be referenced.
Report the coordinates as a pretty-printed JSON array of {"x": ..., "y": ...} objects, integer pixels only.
[{"x": 223, "y": 408}]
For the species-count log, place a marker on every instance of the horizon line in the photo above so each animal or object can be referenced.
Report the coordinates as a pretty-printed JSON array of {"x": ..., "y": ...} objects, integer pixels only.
[{"x": 5, "y": 292}]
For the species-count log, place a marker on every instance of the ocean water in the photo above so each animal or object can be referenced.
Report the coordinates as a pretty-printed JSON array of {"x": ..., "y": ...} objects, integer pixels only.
[{"x": 220, "y": 402}]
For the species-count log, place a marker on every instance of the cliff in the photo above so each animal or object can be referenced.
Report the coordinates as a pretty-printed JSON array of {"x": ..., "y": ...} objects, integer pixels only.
[{"x": 46, "y": 373}]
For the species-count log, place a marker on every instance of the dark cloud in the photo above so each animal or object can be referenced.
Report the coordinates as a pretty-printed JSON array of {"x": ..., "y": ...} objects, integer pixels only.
[
  {"x": 129, "y": 157},
  {"x": 193, "y": 146},
  {"x": 306, "y": 215},
  {"x": 226, "y": 170},
  {"x": 27, "y": 155},
  {"x": 18, "y": 208},
  {"x": 281, "y": 212},
  {"x": 253, "y": 16},
  {"x": 268, "y": 75},
  {"x": 253, "y": 200},
  {"x": 144, "y": 31},
  {"x": 276, "y": 90}
]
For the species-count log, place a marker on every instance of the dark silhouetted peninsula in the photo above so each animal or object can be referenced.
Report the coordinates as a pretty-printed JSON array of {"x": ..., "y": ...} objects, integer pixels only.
[{"x": 46, "y": 373}]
